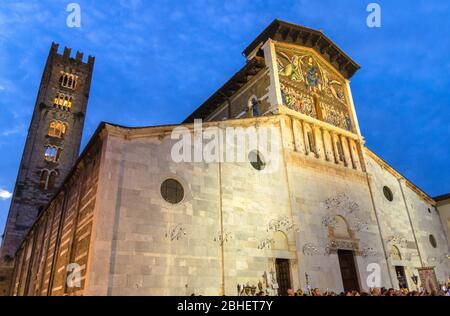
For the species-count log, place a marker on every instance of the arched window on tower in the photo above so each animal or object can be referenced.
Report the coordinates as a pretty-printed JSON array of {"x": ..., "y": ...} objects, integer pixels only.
[
  {"x": 51, "y": 180},
  {"x": 63, "y": 129},
  {"x": 52, "y": 129},
  {"x": 57, "y": 129},
  {"x": 63, "y": 101},
  {"x": 43, "y": 179},
  {"x": 68, "y": 80},
  {"x": 47, "y": 179},
  {"x": 52, "y": 153},
  {"x": 69, "y": 104}
]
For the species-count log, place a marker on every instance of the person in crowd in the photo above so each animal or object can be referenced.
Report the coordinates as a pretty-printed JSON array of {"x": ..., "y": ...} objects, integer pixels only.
[
  {"x": 376, "y": 291},
  {"x": 316, "y": 292}
]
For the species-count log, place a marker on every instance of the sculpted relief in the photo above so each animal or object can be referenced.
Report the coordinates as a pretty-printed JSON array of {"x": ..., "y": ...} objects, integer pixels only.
[{"x": 311, "y": 87}]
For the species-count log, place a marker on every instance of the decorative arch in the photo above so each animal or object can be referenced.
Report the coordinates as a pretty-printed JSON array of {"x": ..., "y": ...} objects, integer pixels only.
[
  {"x": 52, "y": 153},
  {"x": 395, "y": 253},
  {"x": 47, "y": 179},
  {"x": 341, "y": 229},
  {"x": 280, "y": 241},
  {"x": 57, "y": 129},
  {"x": 63, "y": 101},
  {"x": 68, "y": 80},
  {"x": 43, "y": 179}
]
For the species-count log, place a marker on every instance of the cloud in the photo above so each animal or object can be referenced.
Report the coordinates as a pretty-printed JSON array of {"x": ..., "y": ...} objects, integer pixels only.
[
  {"x": 15, "y": 130},
  {"x": 5, "y": 195}
]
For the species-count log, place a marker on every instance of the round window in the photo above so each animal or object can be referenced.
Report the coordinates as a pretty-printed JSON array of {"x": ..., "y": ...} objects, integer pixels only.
[
  {"x": 433, "y": 241},
  {"x": 172, "y": 191},
  {"x": 388, "y": 193},
  {"x": 256, "y": 160}
]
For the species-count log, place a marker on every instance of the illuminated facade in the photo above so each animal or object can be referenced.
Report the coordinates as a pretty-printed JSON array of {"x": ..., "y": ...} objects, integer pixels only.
[{"x": 136, "y": 222}]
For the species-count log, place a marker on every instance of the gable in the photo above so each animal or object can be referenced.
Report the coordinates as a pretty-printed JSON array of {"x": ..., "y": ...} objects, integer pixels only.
[{"x": 311, "y": 86}]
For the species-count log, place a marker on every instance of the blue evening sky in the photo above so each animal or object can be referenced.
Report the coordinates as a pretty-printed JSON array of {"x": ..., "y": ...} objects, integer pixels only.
[{"x": 156, "y": 61}]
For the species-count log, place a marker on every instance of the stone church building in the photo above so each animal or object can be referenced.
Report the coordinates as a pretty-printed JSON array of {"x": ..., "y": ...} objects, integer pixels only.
[{"x": 131, "y": 219}]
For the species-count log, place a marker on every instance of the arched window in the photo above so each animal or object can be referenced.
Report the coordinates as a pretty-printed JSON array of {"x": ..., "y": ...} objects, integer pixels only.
[
  {"x": 66, "y": 101},
  {"x": 52, "y": 129},
  {"x": 395, "y": 253},
  {"x": 51, "y": 180},
  {"x": 55, "y": 101},
  {"x": 63, "y": 101},
  {"x": 52, "y": 153},
  {"x": 69, "y": 104},
  {"x": 68, "y": 80},
  {"x": 63, "y": 129},
  {"x": 43, "y": 179},
  {"x": 57, "y": 154},
  {"x": 340, "y": 229},
  {"x": 57, "y": 129},
  {"x": 47, "y": 179},
  {"x": 280, "y": 241}
]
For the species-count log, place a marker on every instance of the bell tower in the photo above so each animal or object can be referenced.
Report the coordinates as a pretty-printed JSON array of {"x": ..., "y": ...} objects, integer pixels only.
[{"x": 52, "y": 145}]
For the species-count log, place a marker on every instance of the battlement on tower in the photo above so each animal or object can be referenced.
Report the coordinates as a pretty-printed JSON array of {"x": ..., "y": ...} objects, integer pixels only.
[{"x": 66, "y": 55}]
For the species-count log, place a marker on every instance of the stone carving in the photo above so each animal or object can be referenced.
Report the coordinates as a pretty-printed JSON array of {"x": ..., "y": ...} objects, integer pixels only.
[
  {"x": 397, "y": 240},
  {"x": 223, "y": 238},
  {"x": 175, "y": 232},
  {"x": 283, "y": 224},
  {"x": 310, "y": 249},
  {"x": 335, "y": 244},
  {"x": 266, "y": 243},
  {"x": 329, "y": 221},
  {"x": 341, "y": 202},
  {"x": 368, "y": 251},
  {"x": 357, "y": 224}
]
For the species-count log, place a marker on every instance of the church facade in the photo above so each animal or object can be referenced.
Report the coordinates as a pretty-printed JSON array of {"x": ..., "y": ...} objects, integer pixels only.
[{"x": 143, "y": 212}]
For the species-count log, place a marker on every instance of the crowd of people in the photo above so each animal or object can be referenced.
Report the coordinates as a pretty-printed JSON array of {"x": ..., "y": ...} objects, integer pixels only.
[{"x": 373, "y": 292}]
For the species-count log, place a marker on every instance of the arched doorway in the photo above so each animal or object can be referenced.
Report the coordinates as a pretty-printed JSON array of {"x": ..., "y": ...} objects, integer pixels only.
[
  {"x": 342, "y": 235},
  {"x": 282, "y": 265}
]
